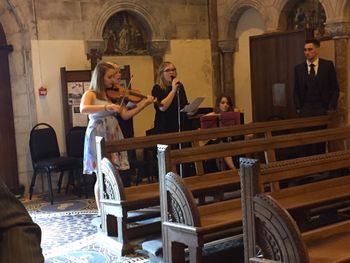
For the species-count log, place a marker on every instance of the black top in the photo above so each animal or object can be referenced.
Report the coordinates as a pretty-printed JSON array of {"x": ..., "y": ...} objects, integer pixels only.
[{"x": 167, "y": 121}]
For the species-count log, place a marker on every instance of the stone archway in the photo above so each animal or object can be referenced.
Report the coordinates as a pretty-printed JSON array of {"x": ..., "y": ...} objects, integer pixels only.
[
  {"x": 235, "y": 11},
  {"x": 230, "y": 53},
  {"x": 142, "y": 14},
  {"x": 156, "y": 42}
]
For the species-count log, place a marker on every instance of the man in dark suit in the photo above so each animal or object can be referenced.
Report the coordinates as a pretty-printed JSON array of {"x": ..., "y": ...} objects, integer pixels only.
[
  {"x": 19, "y": 236},
  {"x": 316, "y": 89}
]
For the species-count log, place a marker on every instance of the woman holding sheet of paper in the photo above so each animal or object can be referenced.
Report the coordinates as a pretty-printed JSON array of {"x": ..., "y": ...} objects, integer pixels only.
[{"x": 171, "y": 94}]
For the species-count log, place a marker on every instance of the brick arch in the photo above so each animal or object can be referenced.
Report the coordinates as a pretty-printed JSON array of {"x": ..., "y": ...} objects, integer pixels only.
[{"x": 141, "y": 13}]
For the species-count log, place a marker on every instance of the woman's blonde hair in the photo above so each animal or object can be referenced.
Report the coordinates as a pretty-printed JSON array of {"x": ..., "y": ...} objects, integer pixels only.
[
  {"x": 160, "y": 78},
  {"x": 97, "y": 79},
  {"x": 115, "y": 65}
]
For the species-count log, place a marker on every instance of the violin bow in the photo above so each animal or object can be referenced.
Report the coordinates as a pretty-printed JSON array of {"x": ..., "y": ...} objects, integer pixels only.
[{"x": 126, "y": 89}]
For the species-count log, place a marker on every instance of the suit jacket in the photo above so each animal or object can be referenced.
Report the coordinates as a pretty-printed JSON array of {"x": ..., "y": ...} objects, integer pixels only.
[
  {"x": 326, "y": 80},
  {"x": 19, "y": 236}
]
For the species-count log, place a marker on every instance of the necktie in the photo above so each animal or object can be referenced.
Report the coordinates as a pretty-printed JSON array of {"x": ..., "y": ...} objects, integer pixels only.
[{"x": 312, "y": 71}]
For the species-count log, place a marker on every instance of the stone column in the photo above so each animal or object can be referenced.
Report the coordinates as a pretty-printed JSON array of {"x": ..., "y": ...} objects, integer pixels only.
[
  {"x": 215, "y": 55},
  {"x": 157, "y": 49},
  {"x": 340, "y": 32},
  {"x": 227, "y": 48},
  {"x": 94, "y": 50}
]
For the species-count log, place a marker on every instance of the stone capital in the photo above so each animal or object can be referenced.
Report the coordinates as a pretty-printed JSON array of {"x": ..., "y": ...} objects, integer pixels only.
[
  {"x": 94, "y": 44},
  {"x": 158, "y": 47},
  {"x": 227, "y": 46},
  {"x": 338, "y": 29}
]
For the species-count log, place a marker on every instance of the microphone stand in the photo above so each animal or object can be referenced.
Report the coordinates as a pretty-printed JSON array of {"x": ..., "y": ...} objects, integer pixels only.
[{"x": 179, "y": 120}]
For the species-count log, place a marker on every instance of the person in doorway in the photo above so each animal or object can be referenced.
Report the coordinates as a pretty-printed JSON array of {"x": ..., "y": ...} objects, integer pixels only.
[
  {"x": 316, "y": 89},
  {"x": 102, "y": 121},
  {"x": 171, "y": 95},
  {"x": 20, "y": 237}
]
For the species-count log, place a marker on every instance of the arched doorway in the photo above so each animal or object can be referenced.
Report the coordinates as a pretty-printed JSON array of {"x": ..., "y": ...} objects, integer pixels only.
[{"x": 8, "y": 154}]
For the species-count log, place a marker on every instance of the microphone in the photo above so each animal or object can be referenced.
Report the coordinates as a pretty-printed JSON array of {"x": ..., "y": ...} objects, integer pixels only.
[{"x": 178, "y": 82}]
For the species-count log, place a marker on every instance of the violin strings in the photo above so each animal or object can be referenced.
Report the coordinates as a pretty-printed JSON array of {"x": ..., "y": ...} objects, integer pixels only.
[{"x": 126, "y": 90}]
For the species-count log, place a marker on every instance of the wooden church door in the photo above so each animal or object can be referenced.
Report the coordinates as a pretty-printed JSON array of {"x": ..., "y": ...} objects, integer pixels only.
[
  {"x": 8, "y": 153},
  {"x": 272, "y": 59}
]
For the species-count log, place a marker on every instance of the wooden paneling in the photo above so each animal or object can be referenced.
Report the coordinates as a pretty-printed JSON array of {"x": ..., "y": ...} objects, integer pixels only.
[{"x": 272, "y": 59}]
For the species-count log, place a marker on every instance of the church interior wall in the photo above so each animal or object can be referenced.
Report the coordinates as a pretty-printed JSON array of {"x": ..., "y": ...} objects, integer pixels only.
[
  {"x": 193, "y": 59},
  {"x": 327, "y": 50},
  {"x": 63, "y": 27},
  {"x": 249, "y": 24},
  {"x": 48, "y": 57}
]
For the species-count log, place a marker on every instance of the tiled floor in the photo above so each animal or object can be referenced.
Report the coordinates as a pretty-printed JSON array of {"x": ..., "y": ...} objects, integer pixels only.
[{"x": 68, "y": 234}]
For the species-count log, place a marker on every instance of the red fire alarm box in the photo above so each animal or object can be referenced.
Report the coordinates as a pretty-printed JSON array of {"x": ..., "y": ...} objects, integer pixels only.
[{"x": 42, "y": 91}]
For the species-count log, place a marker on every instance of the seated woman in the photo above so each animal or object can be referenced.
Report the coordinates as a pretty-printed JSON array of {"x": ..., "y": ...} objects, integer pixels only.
[{"x": 223, "y": 104}]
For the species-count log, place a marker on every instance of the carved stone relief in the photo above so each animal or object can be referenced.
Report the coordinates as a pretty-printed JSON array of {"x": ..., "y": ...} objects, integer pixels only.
[
  {"x": 308, "y": 14},
  {"x": 123, "y": 34}
]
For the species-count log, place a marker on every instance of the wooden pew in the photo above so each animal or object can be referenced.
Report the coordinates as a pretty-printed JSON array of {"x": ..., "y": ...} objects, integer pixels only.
[
  {"x": 251, "y": 130},
  {"x": 274, "y": 220},
  {"x": 168, "y": 159},
  {"x": 118, "y": 201},
  {"x": 189, "y": 225}
]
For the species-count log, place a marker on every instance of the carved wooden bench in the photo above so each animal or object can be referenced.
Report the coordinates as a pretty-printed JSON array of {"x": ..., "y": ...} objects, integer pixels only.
[
  {"x": 276, "y": 220},
  {"x": 117, "y": 201},
  {"x": 250, "y": 130},
  {"x": 168, "y": 159},
  {"x": 191, "y": 226}
]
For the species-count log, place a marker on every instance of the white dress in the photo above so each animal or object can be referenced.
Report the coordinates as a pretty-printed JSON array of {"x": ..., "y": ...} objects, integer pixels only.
[{"x": 103, "y": 124}]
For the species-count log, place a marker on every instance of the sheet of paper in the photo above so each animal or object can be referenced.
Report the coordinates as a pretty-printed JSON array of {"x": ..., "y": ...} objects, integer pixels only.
[{"x": 193, "y": 106}]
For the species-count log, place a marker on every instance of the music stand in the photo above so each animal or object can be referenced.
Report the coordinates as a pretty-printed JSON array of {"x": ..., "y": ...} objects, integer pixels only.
[
  {"x": 189, "y": 109},
  {"x": 209, "y": 121},
  {"x": 229, "y": 118}
]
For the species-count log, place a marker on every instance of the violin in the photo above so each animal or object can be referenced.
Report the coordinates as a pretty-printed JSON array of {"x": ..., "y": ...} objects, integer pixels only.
[{"x": 119, "y": 92}]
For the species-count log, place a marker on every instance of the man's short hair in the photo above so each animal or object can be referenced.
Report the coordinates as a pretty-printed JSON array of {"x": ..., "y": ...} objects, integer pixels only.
[{"x": 314, "y": 41}]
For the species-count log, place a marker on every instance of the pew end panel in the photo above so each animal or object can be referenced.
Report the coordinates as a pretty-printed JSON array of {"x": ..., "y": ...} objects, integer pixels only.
[
  {"x": 120, "y": 207},
  {"x": 189, "y": 226},
  {"x": 265, "y": 225},
  {"x": 268, "y": 220}
]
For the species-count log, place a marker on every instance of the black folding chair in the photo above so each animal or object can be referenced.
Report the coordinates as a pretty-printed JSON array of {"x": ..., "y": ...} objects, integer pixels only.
[
  {"x": 46, "y": 157},
  {"x": 75, "y": 148}
]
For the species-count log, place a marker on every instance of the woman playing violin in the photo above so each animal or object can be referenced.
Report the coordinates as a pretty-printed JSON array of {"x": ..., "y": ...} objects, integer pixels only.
[{"x": 102, "y": 121}]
